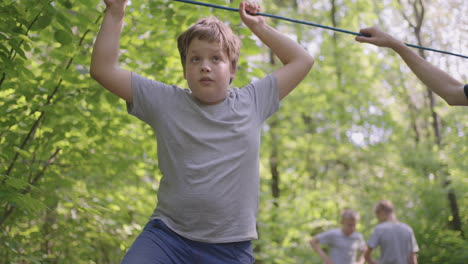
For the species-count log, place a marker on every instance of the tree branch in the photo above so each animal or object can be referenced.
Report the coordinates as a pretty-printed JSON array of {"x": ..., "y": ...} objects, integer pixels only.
[
  {"x": 9, "y": 208},
  {"x": 12, "y": 54}
]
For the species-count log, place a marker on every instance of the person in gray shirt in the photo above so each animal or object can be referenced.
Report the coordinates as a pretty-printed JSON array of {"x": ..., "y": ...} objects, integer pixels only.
[
  {"x": 208, "y": 135},
  {"x": 396, "y": 239},
  {"x": 344, "y": 243}
]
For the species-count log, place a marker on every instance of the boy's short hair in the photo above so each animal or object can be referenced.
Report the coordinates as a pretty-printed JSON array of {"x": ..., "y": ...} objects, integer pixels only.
[
  {"x": 384, "y": 206},
  {"x": 210, "y": 29},
  {"x": 349, "y": 214}
]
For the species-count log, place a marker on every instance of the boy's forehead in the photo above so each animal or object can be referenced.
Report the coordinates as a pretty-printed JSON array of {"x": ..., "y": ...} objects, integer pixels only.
[
  {"x": 197, "y": 45},
  {"x": 350, "y": 220}
]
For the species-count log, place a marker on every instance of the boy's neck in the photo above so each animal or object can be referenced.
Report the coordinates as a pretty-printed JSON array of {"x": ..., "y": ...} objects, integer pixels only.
[
  {"x": 209, "y": 103},
  {"x": 388, "y": 218}
]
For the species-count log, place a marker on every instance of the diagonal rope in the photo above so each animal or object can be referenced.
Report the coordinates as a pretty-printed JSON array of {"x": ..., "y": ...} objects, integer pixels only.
[{"x": 312, "y": 24}]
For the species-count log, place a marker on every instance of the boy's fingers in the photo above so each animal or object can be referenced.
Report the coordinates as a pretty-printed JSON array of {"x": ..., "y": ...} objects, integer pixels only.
[
  {"x": 251, "y": 8},
  {"x": 247, "y": 9},
  {"x": 242, "y": 8},
  {"x": 255, "y": 7}
]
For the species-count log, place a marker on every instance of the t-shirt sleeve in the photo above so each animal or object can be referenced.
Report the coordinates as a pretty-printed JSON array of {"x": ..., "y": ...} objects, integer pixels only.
[
  {"x": 265, "y": 94},
  {"x": 373, "y": 240},
  {"x": 325, "y": 237},
  {"x": 148, "y": 97}
]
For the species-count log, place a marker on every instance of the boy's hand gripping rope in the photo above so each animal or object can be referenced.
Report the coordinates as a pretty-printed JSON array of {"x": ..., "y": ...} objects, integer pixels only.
[{"x": 312, "y": 24}]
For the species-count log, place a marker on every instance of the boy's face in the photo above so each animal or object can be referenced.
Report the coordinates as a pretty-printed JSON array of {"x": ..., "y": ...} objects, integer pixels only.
[
  {"x": 381, "y": 216},
  {"x": 208, "y": 71},
  {"x": 349, "y": 225}
]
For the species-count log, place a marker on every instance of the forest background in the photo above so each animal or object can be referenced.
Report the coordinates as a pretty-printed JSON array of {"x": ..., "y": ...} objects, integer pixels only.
[{"x": 79, "y": 176}]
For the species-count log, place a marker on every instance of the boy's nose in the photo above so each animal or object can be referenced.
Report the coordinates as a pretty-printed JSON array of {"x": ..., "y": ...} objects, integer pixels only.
[{"x": 205, "y": 67}]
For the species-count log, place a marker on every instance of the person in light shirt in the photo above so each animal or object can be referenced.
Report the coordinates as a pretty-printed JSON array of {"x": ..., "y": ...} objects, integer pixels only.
[
  {"x": 208, "y": 135},
  {"x": 396, "y": 239},
  {"x": 345, "y": 244}
]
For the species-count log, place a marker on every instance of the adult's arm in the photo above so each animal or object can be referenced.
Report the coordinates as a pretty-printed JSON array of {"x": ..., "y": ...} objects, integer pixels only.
[{"x": 438, "y": 81}]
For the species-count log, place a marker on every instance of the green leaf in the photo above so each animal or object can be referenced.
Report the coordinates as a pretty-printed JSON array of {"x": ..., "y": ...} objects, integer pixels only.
[
  {"x": 4, "y": 35},
  {"x": 91, "y": 3},
  {"x": 66, "y": 3},
  {"x": 22, "y": 152},
  {"x": 63, "y": 20},
  {"x": 16, "y": 183},
  {"x": 43, "y": 21},
  {"x": 63, "y": 37}
]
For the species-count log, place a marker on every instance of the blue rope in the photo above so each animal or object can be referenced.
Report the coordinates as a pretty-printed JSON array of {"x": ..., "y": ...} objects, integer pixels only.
[{"x": 312, "y": 24}]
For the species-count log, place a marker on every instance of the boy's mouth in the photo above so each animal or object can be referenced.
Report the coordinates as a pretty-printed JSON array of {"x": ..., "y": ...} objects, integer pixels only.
[{"x": 206, "y": 81}]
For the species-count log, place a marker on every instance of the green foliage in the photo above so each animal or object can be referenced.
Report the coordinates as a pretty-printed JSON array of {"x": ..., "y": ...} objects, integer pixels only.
[{"x": 79, "y": 176}]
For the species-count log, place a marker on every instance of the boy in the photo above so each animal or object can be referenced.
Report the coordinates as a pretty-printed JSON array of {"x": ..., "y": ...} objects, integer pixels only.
[
  {"x": 344, "y": 243},
  {"x": 396, "y": 239},
  {"x": 444, "y": 85},
  {"x": 208, "y": 137}
]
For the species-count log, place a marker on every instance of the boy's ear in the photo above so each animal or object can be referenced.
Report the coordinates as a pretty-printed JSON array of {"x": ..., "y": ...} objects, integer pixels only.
[
  {"x": 233, "y": 72},
  {"x": 232, "y": 75}
]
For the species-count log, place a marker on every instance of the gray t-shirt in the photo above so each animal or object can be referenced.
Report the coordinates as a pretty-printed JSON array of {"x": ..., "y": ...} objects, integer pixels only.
[
  {"x": 396, "y": 241},
  {"x": 342, "y": 248},
  {"x": 208, "y": 155}
]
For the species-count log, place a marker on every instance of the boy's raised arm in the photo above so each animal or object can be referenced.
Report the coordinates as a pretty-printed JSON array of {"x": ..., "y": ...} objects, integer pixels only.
[
  {"x": 434, "y": 78},
  {"x": 296, "y": 60},
  {"x": 104, "y": 60}
]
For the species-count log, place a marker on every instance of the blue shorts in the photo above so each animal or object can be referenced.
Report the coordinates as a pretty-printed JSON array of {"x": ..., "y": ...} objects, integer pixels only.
[{"x": 157, "y": 244}]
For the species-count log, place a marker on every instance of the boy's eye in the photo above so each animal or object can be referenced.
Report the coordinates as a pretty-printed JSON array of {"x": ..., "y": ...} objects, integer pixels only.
[
  {"x": 195, "y": 59},
  {"x": 216, "y": 58}
]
